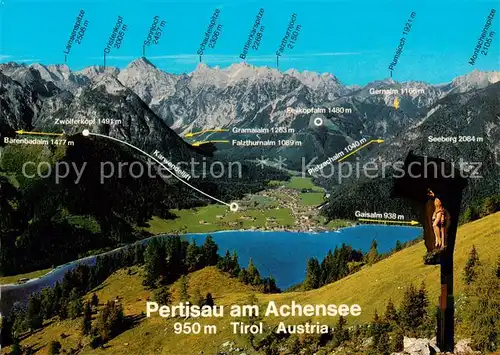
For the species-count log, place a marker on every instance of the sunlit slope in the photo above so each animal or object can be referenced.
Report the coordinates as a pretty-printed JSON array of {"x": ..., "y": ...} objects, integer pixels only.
[{"x": 371, "y": 288}]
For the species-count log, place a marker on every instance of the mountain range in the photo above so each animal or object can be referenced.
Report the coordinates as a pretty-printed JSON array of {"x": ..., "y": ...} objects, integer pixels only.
[
  {"x": 154, "y": 108},
  {"x": 55, "y": 99}
]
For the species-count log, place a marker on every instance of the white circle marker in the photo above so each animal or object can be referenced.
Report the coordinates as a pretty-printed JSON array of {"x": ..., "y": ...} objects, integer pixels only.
[
  {"x": 86, "y": 132},
  {"x": 318, "y": 121},
  {"x": 234, "y": 207}
]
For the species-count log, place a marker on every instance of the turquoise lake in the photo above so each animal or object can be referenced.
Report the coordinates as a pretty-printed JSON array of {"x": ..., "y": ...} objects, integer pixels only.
[{"x": 284, "y": 254}]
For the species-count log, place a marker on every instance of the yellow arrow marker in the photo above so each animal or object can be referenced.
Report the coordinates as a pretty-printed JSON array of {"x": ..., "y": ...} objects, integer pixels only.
[
  {"x": 363, "y": 146},
  {"x": 40, "y": 133},
  {"x": 189, "y": 135},
  {"x": 396, "y": 103},
  {"x": 197, "y": 144},
  {"x": 413, "y": 223}
]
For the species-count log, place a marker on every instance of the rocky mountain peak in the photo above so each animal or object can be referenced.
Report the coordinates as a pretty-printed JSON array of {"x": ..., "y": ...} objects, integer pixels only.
[
  {"x": 10, "y": 68},
  {"x": 111, "y": 84},
  {"x": 95, "y": 70},
  {"x": 243, "y": 71},
  {"x": 147, "y": 81},
  {"x": 60, "y": 68},
  {"x": 201, "y": 67},
  {"x": 475, "y": 80},
  {"x": 141, "y": 62},
  {"x": 206, "y": 75},
  {"x": 316, "y": 81},
  {"x": 52, "y": 72}
]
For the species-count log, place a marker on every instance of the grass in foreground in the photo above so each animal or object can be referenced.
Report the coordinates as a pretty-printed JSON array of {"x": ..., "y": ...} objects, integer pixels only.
[{"x": 371, "y": 288}]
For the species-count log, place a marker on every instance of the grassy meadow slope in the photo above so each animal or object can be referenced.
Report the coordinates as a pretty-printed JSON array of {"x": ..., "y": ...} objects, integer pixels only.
[{"x": 371, "y": 288}]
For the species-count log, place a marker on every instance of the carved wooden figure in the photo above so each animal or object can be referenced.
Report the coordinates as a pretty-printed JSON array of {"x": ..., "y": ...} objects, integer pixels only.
[{"x": 433, "y": 187}]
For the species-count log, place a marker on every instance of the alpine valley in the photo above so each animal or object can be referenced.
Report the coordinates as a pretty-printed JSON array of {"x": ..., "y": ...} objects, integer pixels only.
[{"x": 153, "y": 109}]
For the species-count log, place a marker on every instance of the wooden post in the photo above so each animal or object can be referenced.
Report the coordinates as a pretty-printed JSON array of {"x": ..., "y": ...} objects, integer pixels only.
[
  {"x": 445, "y": 333},
  {"x": 448, "y": 188}
]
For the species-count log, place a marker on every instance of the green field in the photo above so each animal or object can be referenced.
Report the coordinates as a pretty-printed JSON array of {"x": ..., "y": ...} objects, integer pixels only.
[
  {"x": 339, "y": 223},
  {"x": 300, "y": 183},
  {"x": 262, "y": 202},
  {"x": 30, "y": 275},
  {"x": 371, "y": 288},
  {"x": 312, "y": 198},
  {"x": 215, "y": 218}
]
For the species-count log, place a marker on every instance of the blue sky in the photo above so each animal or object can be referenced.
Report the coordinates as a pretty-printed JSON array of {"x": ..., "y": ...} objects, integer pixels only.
[{"x": 355, "y": 41}]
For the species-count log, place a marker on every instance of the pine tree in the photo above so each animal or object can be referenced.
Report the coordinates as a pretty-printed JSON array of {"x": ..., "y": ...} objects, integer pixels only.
[
  {"x": 162, "y": 295},
  {"x": 469, "y": 215},
  {"x": 87, "y": 319},
  {"x": 74, "y": 294},
  {"x": 192, "y": 257},
  {"x": 63, "y": 310},
  {"x": 34, "y": 318},
  {"x": 16, "y": 347},
  {"x": 372, "y": 256},
  {"x": 209, "y": 252},
  {"x": 6, "y": 336},
  {"x": 490, "y": 205},
  {"x": 175, "y": 254},
  {"x": 47, "y": 303},
  {"x": 397, "y": 341},
  {"x": 54, "y": 347},
  {"x": 313, "y": 275},
  {"x": 138, "y": 254},
  {"x": 224, "y": 264},
  {"x": 253, "y": 273},
  {"x": 110, "y": 320},
  {"x": 209, "y": 300},
  {"x": 183, "y": 288},
  {"x": 343, "y": 259},
  {"x": 379, "y": 333},
  {"x": 18, "y": 320},
  {"x": 117, "y": 318},
  {"x": 391, "y": 314},
  {"x": 75, "y": 308},
  {"x": 269, "y": 284},
  {"x": 413, "y": 309},
  {"x": 95, "y": 300},
  {"x": 340, "y": 332},
  {"x": 482, "y": 311},
  {"x": 243, "y": 276},
  {"x": 471, "y": 266},
  {"x": 383, "y": 344},
  {"x": 329, "y": 272},
  {"x": 253, "y": 318},
  {"x": 155, "y": 265},
  {"x": 235, "y": 265},
  {"x": 57, "y": 297}
]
